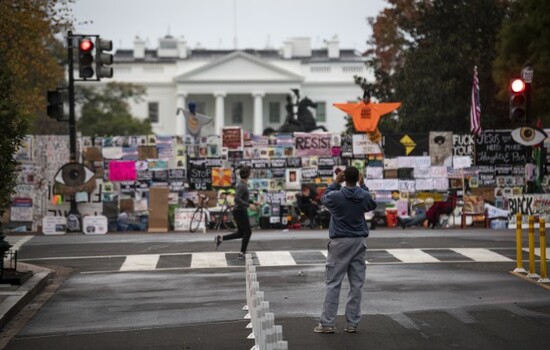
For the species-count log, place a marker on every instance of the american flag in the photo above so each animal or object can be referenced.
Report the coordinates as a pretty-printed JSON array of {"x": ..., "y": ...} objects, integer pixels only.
[{"x": 475, "y": 108}]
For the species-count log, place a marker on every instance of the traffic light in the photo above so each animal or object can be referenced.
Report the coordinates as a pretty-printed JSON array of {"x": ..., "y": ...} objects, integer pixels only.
[
  {"x": 518, "y": 100},
  {"x": 104, "y": 59},
  {"x": 85, "y": 58},
  {"x": 55, "y": 105}
]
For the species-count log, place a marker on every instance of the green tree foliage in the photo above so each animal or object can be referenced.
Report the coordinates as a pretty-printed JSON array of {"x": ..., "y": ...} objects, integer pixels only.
[
  {"x": 423, "y": 56},
  {"x": 106, "y": 111},
  {"x": 28, "y": 42},
  {"x": 13, "y": 129},
  {"x": 525, "y": 37}
]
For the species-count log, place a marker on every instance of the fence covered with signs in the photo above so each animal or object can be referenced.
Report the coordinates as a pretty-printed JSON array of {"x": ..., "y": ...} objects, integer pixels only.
[{"x": 127, "y": 168}]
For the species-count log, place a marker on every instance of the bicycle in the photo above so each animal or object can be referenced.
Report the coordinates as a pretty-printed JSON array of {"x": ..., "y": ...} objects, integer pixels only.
[{"x": 203, "y": 215}]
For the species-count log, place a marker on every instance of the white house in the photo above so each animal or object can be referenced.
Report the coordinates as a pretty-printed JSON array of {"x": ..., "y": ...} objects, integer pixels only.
[{"x": 246, "y": 88}]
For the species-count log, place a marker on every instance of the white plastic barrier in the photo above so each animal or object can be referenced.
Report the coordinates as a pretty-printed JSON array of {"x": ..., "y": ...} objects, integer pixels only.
[{"x": 266, "y": 335}]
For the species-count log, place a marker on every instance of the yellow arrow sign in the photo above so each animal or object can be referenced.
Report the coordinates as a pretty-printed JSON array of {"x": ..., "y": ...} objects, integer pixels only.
[{"x": 408, "y": 143}]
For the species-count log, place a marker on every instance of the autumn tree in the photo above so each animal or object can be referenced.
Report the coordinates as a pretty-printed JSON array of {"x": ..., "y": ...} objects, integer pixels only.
[
  {"x": 28, "y": 42},
  {"x": 105, "y": 111},
  {"x": 13, "y": 129},
  {"x": 423, "y": 55}
]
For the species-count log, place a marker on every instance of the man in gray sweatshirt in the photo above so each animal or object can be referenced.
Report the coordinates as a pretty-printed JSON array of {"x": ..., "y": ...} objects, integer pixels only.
[{"x": 346, "y": 249}]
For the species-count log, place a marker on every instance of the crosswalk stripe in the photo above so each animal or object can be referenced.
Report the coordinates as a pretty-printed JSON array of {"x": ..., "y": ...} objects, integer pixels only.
[
  {"x": 276, "y": 258},
  {"x": 17, "y": 245},
  {"x": 208, "y": 260},
  {"x": 325, "y": 253},
  {"x": 412, "y": 255},
  {"x": 140, "y": 262},
  {"x": 537, "y": 251},
  {"x": 480, "y": 254}
]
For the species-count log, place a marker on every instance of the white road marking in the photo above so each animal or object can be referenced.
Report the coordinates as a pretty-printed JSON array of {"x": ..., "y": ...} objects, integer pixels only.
[
  {"x": 20, "y": 242},
  {"x": 140, "y": 262},
  {"x": 480, "y": 254},
  {"x": 277, "y": 258},
  {"x": 462, "y": 315},
  {"x": 412, "y": 256},
  {"x": 199, "y": 260},
  {"x": 537, "y": 251},
  {"x": 324, "y": 252}
]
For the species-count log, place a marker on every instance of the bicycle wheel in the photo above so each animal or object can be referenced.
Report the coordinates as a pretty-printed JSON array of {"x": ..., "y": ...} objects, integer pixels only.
[
  {"x": 199, "y": 216},
  {"x": 228, "y": 221}
]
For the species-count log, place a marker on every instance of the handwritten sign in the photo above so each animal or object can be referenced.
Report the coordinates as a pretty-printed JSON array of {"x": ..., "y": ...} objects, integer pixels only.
[
  {"x": 312, "y": 144},
  {"x": 200, "y": 176},
  {"x": 363, "y": 145},
  {"x": 498, "y": 147},
  {"x": 122, "y": 170}
]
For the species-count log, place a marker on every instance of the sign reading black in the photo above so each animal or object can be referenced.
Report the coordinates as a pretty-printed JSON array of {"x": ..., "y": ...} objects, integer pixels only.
[{"x": 497, "y": 147}]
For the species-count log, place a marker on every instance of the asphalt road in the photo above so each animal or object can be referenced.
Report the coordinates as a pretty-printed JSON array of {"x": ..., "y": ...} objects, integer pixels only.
[{"x": 425, "y": 289}]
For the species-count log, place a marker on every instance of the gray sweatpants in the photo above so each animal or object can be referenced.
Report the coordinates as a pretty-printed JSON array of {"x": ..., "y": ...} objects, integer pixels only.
[{"x": 345, "y": 255}]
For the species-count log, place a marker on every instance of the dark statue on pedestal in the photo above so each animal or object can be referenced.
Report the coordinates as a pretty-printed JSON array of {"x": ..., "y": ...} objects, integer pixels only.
[{"x": 302, "y": 121}]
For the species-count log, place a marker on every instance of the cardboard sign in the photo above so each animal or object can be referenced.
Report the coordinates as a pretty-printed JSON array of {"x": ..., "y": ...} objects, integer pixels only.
[
  {"x": 95, "y": 225},
  {"x": 158, "y": 209}
]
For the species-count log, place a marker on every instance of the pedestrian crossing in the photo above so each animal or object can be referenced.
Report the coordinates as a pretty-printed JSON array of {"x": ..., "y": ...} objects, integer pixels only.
[{"x": 210, "y": 260}]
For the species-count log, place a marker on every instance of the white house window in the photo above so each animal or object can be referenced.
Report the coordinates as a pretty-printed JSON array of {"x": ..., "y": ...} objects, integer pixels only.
[
  {"x": 274, "y": 112},
  {"x": 237, "y": 113},
  {"x": 200, "y": 107},
  {"x": 321, "y": 112},
  {"x": 153, "y": 112}
]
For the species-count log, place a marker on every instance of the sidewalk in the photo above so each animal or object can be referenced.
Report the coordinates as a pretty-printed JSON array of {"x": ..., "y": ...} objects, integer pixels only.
[{"x": 13, "y": 298}]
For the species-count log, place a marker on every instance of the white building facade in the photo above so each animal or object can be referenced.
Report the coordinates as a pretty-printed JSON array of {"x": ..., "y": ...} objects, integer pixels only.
[{"x": 245, "y": 88}]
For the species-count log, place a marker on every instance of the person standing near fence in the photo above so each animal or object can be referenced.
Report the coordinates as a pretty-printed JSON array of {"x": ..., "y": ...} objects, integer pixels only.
[
  {"x": 240, "y": 213},
  {"x": 347, "y": 247}
]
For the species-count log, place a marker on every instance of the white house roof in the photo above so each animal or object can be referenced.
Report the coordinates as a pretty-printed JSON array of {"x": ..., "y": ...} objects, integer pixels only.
[{"x": 239, "y": 66}]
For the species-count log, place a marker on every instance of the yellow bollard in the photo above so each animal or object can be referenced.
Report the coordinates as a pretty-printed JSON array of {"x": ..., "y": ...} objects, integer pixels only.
[
  {"x": 532, "y": 273},
  {"x": 519, "y": 246},
  {"x": 542, "y": 232}
]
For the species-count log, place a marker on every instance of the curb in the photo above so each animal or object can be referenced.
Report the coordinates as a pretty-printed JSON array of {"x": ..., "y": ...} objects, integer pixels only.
[{"x": 17, "y": 299}]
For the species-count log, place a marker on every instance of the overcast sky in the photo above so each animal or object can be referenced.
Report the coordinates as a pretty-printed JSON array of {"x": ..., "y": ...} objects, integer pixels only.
[{"x": 211, "y": 23}]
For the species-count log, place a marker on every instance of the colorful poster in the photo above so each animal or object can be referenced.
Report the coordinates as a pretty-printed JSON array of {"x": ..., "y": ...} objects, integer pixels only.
[
  {"x": 232, "y": 138},
  {"x": 222, "y": 177}
]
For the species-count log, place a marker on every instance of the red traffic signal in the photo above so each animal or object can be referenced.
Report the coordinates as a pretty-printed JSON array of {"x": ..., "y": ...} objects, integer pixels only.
[
  {"x": 86, "y": 45},
  {"x": 518, "y": 100},
  {"x": 85, "y": 58},
  {"x": 517, "y": 85}
]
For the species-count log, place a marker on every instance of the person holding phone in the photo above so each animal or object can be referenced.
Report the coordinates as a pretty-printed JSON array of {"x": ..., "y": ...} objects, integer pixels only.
[{"x": 347, "y": 247}]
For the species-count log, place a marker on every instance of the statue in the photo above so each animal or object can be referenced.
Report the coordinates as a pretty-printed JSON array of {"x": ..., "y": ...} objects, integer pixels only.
[{"x": 302, "y": 121}]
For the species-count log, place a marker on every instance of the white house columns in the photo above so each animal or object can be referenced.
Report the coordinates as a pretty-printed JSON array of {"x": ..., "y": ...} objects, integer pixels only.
[
  {"x": 220, "y": 110},
  {"x": 258, "y": 112},
  {"x": 180, "y": 118}
]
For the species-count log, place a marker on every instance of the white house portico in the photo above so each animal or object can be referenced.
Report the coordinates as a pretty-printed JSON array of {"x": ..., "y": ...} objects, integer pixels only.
[{"x": 246, "y": 88}]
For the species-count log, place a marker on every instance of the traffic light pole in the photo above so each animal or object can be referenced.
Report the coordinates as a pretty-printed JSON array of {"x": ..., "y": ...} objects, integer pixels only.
[
  {"x": 72, "y": 119},
  {"x": 74, "y": 217}
]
